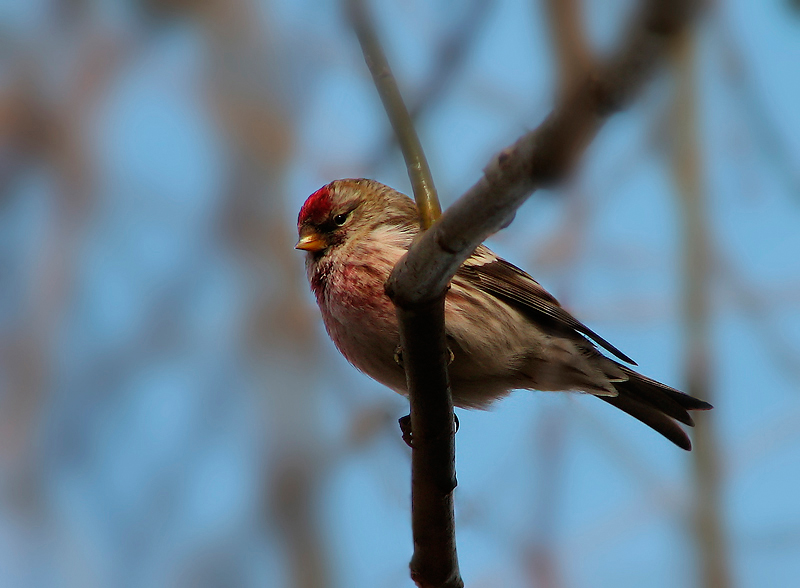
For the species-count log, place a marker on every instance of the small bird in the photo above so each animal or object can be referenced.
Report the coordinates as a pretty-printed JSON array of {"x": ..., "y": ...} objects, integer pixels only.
[{"x": 504, "y": 330}]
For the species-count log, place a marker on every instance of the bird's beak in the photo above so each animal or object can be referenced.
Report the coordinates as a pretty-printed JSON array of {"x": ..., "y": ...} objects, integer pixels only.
[{"x": 311, "y": 241}]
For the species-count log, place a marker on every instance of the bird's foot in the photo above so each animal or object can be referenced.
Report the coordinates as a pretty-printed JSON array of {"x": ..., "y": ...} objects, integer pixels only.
[
  {"x": 405, "y": 428},
  {"x": 398, "y": 356}
]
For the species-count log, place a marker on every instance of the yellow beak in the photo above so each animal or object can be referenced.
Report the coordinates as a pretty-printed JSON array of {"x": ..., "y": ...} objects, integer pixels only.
[{"x": 312, "y": 242}]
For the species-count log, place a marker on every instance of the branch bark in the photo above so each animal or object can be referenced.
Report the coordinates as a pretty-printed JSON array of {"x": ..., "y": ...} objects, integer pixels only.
[{"x": 433, "y": 469}]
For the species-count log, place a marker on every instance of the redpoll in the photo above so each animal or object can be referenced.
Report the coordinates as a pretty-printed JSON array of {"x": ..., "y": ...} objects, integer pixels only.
[{"x": 504, "y": 330}]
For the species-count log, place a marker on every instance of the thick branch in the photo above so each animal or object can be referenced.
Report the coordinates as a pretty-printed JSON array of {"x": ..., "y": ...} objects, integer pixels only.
[
  {"x": 433, "y": 473},
  {"x": 539, "y": 158},
  {"x": 418, "y": 171}
]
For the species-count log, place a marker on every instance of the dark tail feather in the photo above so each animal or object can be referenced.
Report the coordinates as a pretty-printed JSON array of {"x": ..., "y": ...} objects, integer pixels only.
[{"x": 656, "y": 405}]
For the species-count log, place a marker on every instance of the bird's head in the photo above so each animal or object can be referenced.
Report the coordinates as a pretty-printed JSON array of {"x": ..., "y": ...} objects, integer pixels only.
[{"x": 345, "y": 209}]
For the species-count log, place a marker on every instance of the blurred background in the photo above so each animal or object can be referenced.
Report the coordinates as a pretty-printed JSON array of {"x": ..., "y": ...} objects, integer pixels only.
[{"x": 172, "y": 413}]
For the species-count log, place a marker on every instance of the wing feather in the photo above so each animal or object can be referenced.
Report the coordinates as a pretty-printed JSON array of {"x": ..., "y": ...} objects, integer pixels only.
[{"x": 509, "y": 283}]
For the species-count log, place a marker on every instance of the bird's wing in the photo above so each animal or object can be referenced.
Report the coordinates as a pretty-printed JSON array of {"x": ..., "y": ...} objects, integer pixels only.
[{"x": 512, "y": 285}]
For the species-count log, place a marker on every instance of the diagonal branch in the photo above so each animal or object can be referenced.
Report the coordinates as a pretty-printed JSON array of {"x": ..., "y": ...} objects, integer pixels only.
[{"x": 538, "y": 158}]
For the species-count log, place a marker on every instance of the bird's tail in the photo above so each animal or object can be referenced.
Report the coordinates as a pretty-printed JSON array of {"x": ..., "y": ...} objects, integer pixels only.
[{"x": 658, "y": 406}]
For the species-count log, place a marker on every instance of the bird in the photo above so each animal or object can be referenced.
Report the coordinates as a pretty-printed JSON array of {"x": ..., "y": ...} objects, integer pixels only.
[{"x": 504, "y": 330}]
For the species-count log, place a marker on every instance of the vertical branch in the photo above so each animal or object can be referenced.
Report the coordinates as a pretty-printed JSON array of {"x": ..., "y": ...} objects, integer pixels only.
[
  {"x": 542, "y": 560},
  {"x": 418, "y": 171},
  {"x": 422, "y": 337},
  {"x": 686, "y": 161},
  {"x": 36, "y": 131},
  {"x": 433, "y": 472}
]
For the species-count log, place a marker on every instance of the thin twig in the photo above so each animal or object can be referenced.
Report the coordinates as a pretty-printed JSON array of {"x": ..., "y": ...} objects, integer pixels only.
[
  {"x": 418, "y": 171},
  {"x": 447, "y": 62}
]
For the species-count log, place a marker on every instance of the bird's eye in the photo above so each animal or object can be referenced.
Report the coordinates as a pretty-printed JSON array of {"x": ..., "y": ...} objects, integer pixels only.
[{"x": 339, "y": 219}]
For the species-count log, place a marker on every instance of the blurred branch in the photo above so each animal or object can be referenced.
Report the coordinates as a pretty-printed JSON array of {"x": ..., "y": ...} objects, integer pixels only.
[
  {"x": 37, "y": 129},
  {"x": 686, "y": 162},
  {"x": 418, "y": 171},
  {"x": 574, "y": 60},
  {"x": 247, "y": 99},
  {"x": 573, "y": 54},
  {"x": 540, "y": 554},
  {"x": 452, "y": 52},
  {"x": 23, "y": 123}
]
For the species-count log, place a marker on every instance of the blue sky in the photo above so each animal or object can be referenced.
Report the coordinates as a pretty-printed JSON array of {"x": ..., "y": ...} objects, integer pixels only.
[{"x": 169, "y": 402}]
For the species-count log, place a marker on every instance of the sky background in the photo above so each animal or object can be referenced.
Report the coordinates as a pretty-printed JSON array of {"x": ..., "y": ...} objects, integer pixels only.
[{"x": 171, "y": 411}]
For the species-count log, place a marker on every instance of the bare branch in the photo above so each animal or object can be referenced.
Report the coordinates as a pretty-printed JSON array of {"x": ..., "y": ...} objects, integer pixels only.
[
  {"x": 418, "y": 171},
  {"x": 539, "y": 158}
]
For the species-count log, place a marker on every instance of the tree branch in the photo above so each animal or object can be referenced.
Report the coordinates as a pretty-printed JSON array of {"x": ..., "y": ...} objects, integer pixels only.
[
  {"x": 418, "y": 171},
  {"x": 538, "y": 158},
  {"x": 433, "y": 476},
  {"x": 433, "y": 468},
  {"x": 419, "y": 281}
]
